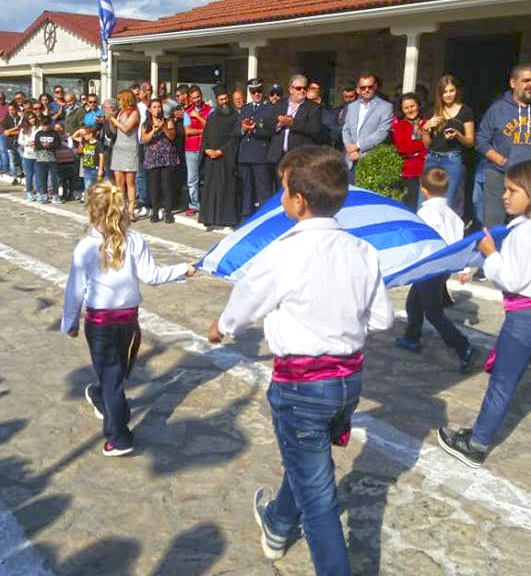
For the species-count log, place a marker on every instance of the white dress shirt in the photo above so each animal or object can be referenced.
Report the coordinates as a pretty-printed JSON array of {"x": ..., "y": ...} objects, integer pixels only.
[
  {"x": 319, "y": 288},
  {"x": 364, "y": 109},
  {"x": 291, "y": 111},
  {"x": 115, "y": 289},
  {"x": 510, "y": 268},
  {"x": 439, "y": 216}
]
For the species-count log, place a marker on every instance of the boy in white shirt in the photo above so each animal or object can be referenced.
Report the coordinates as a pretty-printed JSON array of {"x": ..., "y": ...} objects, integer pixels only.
[
  {"x": 321, "y": 292},
  {"x": 427, "y": 298}
]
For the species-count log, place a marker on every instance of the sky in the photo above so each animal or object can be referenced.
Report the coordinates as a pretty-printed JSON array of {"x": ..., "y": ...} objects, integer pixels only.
[{"x": 17, "y": 20}]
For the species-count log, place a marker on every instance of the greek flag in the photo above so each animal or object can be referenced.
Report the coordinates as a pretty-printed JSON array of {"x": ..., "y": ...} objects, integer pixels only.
[
  {"x": 107, "y": 24},
  {"x": 409, "y": 249}
]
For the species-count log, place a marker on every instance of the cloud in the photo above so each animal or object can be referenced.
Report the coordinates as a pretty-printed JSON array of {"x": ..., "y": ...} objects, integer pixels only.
[{"x": 29, "y": 10}]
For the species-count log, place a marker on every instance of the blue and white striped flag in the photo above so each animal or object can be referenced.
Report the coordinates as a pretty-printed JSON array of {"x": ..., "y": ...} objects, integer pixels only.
[
  {"x": 107, "y": 24},
  {"x": 409, "y": 249}
]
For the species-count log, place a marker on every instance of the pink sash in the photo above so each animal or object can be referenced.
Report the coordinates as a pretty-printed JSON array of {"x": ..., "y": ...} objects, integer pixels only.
[
  {"x": 312, "y": 368},
  {"x": 103, "y": 316}
]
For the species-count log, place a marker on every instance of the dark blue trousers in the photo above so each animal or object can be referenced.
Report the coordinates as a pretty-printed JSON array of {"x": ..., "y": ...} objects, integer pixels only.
[
  {"x": 427, "y": 298},
  {"x": 257, "y": 183},
  {"x": 110, "y": 348}
]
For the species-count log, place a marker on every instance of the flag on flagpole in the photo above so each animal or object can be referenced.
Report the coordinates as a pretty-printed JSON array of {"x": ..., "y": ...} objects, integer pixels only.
[
  {"x": 107, "y": 24},
  {"x": 409, "y": 249}
]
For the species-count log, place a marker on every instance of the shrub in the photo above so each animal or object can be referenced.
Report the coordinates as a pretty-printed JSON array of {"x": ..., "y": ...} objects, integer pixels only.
[{"x": 379, "y": 170}]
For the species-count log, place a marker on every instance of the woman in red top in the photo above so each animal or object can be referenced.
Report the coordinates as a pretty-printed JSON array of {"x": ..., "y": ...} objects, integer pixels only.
[{"x": 407, "y": 137}]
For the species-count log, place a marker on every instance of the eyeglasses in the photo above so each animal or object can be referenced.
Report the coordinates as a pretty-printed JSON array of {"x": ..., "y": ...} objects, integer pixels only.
[
  {"x": 370, "y": 87},
  {"x": 300, "y": 88},
  {"x": 92, "y": 101},
  {"x": 38, "y": 108},
  {"x": 59, "y": 91}
]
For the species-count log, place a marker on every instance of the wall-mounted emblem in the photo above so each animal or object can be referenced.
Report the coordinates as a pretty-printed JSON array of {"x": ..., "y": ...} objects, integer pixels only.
[{"x": 50, "y": 36}]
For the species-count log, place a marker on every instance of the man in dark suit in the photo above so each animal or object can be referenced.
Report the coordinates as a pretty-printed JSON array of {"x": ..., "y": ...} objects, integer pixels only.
[
  {"x": 294, "y": 121},
  {"x": 255, "y": 170}
]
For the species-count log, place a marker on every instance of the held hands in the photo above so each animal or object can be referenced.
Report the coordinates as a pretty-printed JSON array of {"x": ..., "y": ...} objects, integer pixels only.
[
  {"x": 433, "y": 123},
  {"x": 285, "y": 121},
  {"x": 450, "y": 134},
  {"x": 214, "y": 335},
  {"x": 486, "y": 245},
  {"x": 248, "y": 124},
  {"x": 191, "y": 269}
]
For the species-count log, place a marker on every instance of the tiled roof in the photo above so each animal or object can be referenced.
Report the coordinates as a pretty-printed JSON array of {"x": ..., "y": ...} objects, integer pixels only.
[
  {"x": 7, "y": 39},
  {"x": 85, "y": 26},
  {"x": 229, "y": 12}
]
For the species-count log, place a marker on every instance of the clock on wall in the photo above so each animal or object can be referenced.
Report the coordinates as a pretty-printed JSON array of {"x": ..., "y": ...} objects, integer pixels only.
[{"x": 50, "y": 36}]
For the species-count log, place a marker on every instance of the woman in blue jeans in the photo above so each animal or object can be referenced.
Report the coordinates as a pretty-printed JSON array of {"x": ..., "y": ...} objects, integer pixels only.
[
  {"x": 509, "y": 269},
  {"x": 447, "y": 133}
]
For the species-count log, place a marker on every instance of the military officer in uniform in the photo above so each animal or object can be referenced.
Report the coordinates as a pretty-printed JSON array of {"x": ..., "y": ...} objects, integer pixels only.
[{"x": 255, "y": 171}]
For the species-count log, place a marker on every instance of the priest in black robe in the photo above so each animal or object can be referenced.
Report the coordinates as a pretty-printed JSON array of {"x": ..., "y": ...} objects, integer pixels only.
[{"x": 220, "y": 194}]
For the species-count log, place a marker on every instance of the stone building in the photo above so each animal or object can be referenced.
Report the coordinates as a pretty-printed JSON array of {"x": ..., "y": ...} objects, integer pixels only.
[{"x": 405, "y": 42}]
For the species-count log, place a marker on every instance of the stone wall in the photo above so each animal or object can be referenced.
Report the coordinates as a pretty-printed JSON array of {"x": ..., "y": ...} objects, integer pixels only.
[{"x": 375, "y": 50}]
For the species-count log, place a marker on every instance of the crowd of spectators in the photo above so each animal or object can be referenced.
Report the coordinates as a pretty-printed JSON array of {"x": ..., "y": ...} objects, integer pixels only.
[{"x": 217, "y": 161}]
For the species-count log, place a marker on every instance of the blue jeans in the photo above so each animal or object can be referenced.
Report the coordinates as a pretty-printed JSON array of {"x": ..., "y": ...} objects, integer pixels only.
[
  {"x": 478, "y": 192},
  {"x": 90, "y": 176},
  {"x": 48, "y": 169},
  {"x": 452, "y": 162},
  {"x": 304, "y": 414},
  {"x": 12, "y": 154},
  {"x": 513, "y": 354},
  {"x": 4, "y": 159},
  {"x": 142, "y": 193},
  {"x": 29, "y": 165},
  {"x": 193, "y": 160},
  {"x": 109, "y": 346}
]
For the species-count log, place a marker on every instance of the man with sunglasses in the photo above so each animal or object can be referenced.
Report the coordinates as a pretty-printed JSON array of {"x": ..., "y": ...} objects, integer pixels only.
[
  {"x": 293, "y": 121},
  {"x": 255, "y": 171},
  {"x": 57, "y": 106},
  {"x": 367, "y": 121},
  {"x": 94, "y": 115}
]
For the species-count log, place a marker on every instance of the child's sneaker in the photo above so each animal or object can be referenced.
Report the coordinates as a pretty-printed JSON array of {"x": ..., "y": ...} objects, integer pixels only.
[
  {"x": 43, "y": 199},
  {"x": 409, "y": 345},
  {"x": 460, "y": 445},
  {"x": 93, "y": 396},
  {"x": 468, "y": 360},
  {"x": 56, "y": 199},
  {"x": 110, "y": 450},
  {"x": 30, "y": 197},
  {"x": 274, "y": 546}
]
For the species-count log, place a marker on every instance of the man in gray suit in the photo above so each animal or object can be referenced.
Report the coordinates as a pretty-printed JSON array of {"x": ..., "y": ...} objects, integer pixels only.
[{"x": 367, "y": 121}]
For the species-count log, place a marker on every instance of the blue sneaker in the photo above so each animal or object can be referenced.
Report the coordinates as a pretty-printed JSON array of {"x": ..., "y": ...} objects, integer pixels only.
[{"x": 409, "y": 345}]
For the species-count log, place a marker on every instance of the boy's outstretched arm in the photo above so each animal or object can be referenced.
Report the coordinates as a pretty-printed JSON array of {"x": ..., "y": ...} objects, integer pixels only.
[{"x": 252, "y": 298}]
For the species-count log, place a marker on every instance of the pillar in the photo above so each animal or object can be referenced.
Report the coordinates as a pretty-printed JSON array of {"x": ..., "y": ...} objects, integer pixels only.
[
  {"x": 37, "y": 81},
  {"x": 252, "y": 61},
  {"x": 412, "y": 53},
  {"x": 155, "y": 73}
]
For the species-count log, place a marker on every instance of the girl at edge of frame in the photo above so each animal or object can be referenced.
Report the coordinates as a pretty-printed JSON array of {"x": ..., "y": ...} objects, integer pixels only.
[
  {"x": 447, "y": 134},
  {"x": 107, "y": 265},
  {"x": 510, "y": 269}
]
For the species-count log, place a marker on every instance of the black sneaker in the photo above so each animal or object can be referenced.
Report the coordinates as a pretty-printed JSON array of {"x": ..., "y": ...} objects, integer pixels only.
[
  {"x": 410, "y": 345},
  {"x": 93, "y": 396},
  {"x": 479, "y": 275},
  {"x": 274, "y": 546},
  {"x": 468, "y": 360},
  {"x": 154, "y": 217},
  {"x": 458, "y": 445},
  {"x": 168, "y": 218}
]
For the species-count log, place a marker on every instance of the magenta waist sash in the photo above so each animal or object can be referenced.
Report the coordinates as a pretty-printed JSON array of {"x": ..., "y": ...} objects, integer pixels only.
[
  {"x": 312, "y": 368},
  {"x": 102, "y": 316},
  {"x": 515, "y": 302}
]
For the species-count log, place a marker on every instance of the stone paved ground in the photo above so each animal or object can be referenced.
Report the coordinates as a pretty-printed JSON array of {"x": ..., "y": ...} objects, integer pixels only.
[{"x": 182, "y": 504}]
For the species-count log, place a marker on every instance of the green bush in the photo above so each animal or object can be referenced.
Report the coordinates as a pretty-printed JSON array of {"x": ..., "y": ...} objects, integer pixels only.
[{"x": 379, "y": 170}]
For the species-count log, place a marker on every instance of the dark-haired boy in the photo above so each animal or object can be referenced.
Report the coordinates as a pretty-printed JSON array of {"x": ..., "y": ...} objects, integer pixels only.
[
  {"x": 317, "y": 316},
  {"x": 47, "y": 142},
  {"x": 427, "y": 298}
]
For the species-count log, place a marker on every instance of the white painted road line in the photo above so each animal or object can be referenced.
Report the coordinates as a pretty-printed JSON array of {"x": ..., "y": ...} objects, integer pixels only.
[
  {"x": 480, "y": 485},
  {"x": 481, "y": 292}
]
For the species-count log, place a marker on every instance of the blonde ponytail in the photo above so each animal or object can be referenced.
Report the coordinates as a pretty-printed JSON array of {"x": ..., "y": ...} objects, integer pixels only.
[{"x": 108, "y": 215}]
